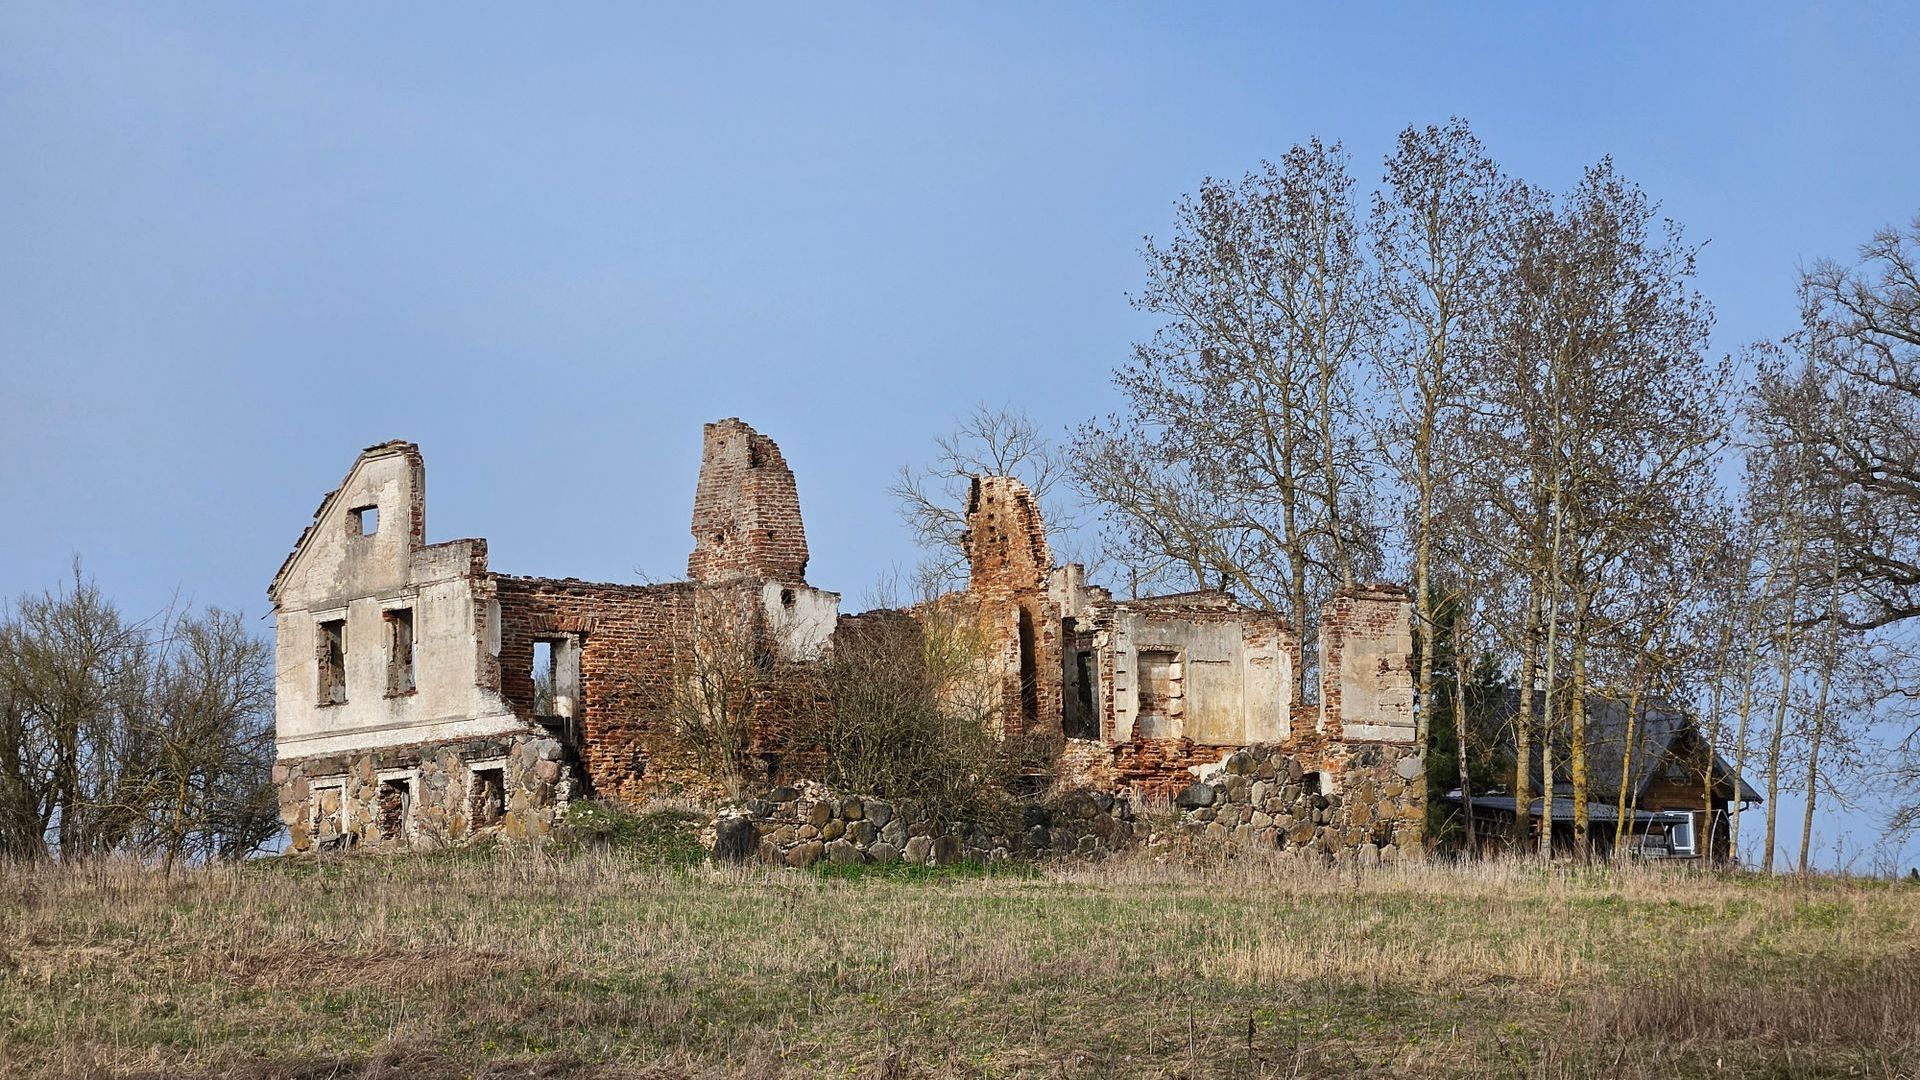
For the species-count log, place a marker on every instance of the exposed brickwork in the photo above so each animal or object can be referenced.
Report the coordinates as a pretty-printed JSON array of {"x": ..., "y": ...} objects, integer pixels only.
[
  {"x": 1064, "y": 658},
  {"x": 1366, "y": 662},
  {"x": 1009, "y": 564},
  {"x": 746, "y": 510},
  {"x": 635, "y": 642}
]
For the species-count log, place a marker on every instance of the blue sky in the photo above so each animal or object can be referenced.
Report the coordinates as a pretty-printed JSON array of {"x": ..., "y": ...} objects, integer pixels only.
[{"x": 241, "y": 242}]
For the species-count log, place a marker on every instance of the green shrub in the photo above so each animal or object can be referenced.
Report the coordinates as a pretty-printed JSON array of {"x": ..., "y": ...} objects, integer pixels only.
[{"x": 667, "y": 837}]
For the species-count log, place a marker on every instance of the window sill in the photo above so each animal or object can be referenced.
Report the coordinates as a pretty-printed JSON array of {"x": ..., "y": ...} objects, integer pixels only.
[
  {"x": 331, "y": 704},
  {"x": 402, "y": 693}
]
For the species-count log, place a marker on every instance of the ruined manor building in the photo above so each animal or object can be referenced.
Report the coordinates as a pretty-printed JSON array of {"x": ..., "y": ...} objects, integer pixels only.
[{"x": 424, "y": 697}]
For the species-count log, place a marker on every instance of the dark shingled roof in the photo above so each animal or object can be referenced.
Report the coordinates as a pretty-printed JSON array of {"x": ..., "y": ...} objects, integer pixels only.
[{"x": 1659, "y": 726}]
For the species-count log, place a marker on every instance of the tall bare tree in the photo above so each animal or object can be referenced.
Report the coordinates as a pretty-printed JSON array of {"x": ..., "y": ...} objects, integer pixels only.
[
  {"x": 1236, "y": 461},
  {"x": 1435, "y": 229},
  {"x": 150, "y": 737},
  {"x": 1602, "y": 402}
]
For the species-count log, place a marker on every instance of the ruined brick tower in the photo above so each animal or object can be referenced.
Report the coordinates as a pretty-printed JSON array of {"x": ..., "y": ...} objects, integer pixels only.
[
  {"x": 746, "y": 510},
  {"x": 1009, "y": 564}
]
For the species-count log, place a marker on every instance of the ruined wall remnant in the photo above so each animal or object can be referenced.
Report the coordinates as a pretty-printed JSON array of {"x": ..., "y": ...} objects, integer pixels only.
[
  {"x": 746, "y": 510},
  {"x": 412, "y": 679},
  {"x": 424, "y": 698},
  {"x": 1366, "y": 664},
  {"x": 1009, "y": 564},
  {"x": 1146, "y": 694}
]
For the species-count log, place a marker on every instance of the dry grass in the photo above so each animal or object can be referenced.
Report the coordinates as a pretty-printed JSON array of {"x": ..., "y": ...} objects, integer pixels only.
[{"x": 514, "y": 964}]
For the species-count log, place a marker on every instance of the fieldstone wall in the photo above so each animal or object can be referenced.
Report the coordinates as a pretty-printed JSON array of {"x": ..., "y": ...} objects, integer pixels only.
[
  {"x": 809, "y": 823},
  {"x": 1366, "y": 803},
  {"x": 515, "y": 787}
]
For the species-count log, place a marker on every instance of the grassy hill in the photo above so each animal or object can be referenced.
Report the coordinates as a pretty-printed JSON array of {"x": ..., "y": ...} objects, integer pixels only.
[{"x": 613, "y": 964}]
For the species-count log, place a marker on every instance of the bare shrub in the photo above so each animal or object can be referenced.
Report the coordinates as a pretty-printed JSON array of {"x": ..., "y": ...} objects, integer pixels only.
[{"x": 913, "y": 716}]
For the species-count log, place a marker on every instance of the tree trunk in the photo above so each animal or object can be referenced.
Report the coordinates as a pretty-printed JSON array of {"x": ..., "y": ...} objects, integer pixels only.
[
  {"x": 1820, "y": 706},
  {"x": 1523, "y": 724},
  {"x": 1577, "y": 735},
  {"x": 1461, "y": 651},
  {"x": 1780, "y": 709}
]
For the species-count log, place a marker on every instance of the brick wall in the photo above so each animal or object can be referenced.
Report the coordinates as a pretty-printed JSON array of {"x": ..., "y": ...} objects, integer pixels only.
[
  {"x": 746, "y": 510},
  {"x": 1008, "y": 566}
]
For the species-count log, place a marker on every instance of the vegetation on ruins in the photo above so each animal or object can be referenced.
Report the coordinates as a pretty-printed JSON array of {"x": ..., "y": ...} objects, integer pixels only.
[
  {"x": 721, "y": 678},
  {"x": 910, "y": 716},
  {"x": 1506, "y": 396}
]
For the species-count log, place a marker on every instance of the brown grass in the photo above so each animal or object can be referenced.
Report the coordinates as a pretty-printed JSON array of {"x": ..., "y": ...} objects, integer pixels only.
[{"x": 517, "y": 964}]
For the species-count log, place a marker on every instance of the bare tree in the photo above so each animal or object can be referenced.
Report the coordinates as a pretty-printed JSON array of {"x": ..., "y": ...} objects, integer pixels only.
[
  {"x": 724, "y": 671},
  {"x": 1602, "y": 408},
  {"x": 1435, "y": 229},
  {"x": 1236, "y": 462},
  {"x": 911, "y": 713},
  {"x": 988, "y": 441},
  {"x": 1863, "y": 324},
  {"x": 203, "y": 742},
  {"x": 150, "y": 737}
]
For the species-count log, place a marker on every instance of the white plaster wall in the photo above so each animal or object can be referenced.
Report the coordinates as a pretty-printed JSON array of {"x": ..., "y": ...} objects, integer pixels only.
[
  {"x": 1215, "y": 698},
  {"x": 1376, "y": 683},
  {"x": 1268, "y": 690},
  {"x": 801, "y": 629},
  {"x": 339, "y": 575}
]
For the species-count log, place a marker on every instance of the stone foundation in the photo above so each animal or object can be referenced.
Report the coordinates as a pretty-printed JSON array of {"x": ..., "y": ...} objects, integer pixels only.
[
  {"x": 1365, "y": 803},
  {"x": 514, "y": 787},
  {"x": 799, "y": 826}
]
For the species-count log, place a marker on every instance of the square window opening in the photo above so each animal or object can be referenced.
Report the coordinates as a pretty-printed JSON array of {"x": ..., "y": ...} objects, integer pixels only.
[
  {"x": 488, "y": 798},
  {"x": 399, "y": 651},
  {"x": 332, "y": 659},
  {"x": 395, "y": 808},
  {"x": 364, "y": 520}
]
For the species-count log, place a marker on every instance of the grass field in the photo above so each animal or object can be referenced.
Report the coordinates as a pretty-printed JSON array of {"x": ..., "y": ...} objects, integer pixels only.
[{"x": 607, "y": 964}]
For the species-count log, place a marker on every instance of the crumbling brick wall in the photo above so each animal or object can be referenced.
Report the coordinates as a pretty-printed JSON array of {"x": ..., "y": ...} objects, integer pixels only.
[
  {"x": 1366, "y": 664},
  {"x": 746, "y": 510},
  {"x": 636, "y": 642},
  {"x": 1009, "y": 563}
]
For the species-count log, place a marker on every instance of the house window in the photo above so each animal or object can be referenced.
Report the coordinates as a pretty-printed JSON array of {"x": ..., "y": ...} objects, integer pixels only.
[
  {"x": 332, "y": 655},
  {"x": 363, "y": 520},
  {"x": 329, "y": 812},
  {"x": 1161, "y": 694},
  {"x": 556, "y": 676},
  {"x": 394, "y": 808},
  {"x": 1680, "y": 834},
  {"x": 399, "y": 651},
  {"x": 487, "y": 797}
]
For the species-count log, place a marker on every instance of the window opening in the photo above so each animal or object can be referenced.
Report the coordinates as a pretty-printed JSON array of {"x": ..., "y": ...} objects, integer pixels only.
[
  {"x": 395, "y": 808},
  {"x": 489, "y": 797},
  {"x": 556, "y": 677},
  {"x": 1161, "y": 694},
  {"x": 399, "y": 651},
  {"x": 329, "y": 818},
  {"x": 332, "y": 656},
  {"x": 1083, "y": 723},
  {"x": 365, "y": 520}
]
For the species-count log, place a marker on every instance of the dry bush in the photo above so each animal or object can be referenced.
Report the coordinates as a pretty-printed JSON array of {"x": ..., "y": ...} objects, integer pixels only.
[{"x": 911, "y": 719}]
